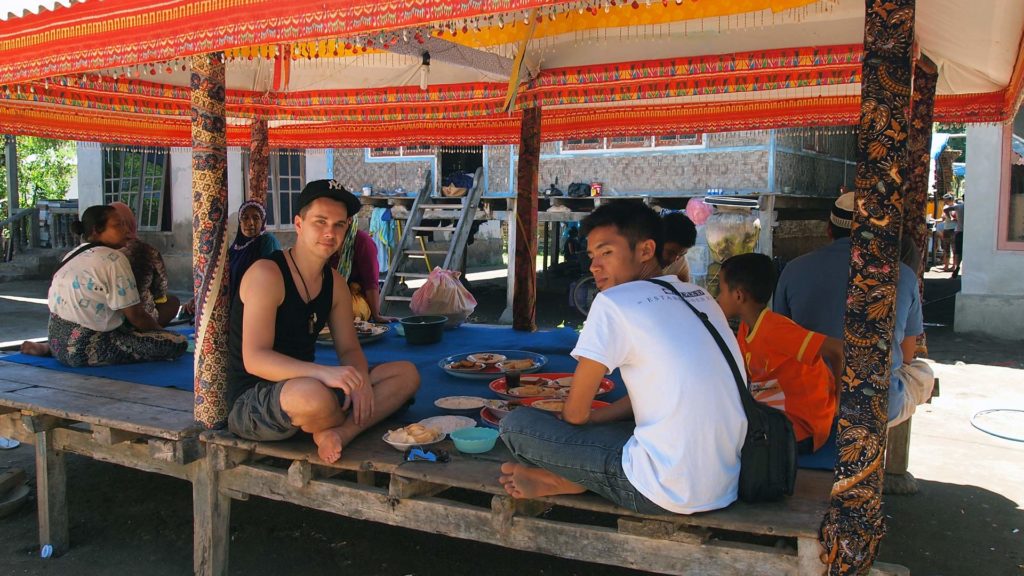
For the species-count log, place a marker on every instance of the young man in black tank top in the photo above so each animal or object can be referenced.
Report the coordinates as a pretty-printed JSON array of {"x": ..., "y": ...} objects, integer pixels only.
[{"x": 274, "y": 386}]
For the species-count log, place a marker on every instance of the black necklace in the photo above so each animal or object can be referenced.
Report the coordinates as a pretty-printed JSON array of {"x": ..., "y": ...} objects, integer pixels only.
[{"x": 309, "y": 300}]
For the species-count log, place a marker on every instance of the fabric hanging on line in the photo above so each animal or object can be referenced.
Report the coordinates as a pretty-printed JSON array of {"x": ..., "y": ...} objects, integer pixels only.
[{"x": 382, "y": 230}]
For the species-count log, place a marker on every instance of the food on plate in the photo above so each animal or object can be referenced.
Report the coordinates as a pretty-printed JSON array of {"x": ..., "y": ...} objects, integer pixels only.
[
  {"x": 549, "y": 405},
  {"x": 459, "y": 403},
  {"x": 465, "y": 365},
  {"x": 413, "y": 434},
  {"x": 531, "y": 390},
  {"x": 563, "y": 382},
  {"x": 521, "y": 364},
  {"x": 485, "y": 357}
]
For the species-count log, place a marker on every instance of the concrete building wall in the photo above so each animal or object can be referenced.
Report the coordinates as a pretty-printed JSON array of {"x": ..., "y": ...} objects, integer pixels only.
[{"x": 991, "y": 298}]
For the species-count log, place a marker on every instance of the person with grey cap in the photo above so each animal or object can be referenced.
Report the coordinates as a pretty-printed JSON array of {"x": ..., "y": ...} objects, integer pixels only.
[
  {"x": 812, "y": 292},
  {"x": 284, "y": 301}
]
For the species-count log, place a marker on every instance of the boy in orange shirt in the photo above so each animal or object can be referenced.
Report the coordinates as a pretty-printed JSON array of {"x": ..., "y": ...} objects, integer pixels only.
[{"x": 786, "y": 362}]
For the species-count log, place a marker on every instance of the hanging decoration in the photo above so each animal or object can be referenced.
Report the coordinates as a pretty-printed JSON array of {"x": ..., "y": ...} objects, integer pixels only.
[
  {"x": 854, "y": 524},
  {"x": 209, "y": 238}
]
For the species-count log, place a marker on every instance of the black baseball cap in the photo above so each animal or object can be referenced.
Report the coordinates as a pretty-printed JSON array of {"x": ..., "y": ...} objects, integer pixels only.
[{"x": 328, "y": 189}]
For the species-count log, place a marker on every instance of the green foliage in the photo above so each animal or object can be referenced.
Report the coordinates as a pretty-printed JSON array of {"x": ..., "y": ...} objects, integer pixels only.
[{"x": 45, "y": 169}]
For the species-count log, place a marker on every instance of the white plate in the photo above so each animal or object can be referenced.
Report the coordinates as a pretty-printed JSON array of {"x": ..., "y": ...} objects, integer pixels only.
[
  {"x": 460, "y": 403},
  {"x": 445, "y": 424}
]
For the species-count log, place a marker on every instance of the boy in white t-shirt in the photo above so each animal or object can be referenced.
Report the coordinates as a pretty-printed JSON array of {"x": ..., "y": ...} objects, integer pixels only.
[{"x": 673, "y": 444}]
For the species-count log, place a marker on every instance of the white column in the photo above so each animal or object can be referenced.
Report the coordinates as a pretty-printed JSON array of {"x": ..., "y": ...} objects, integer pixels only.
[
  {"x": 991, "y": 298},
  {"x": 90, "y": 174}
]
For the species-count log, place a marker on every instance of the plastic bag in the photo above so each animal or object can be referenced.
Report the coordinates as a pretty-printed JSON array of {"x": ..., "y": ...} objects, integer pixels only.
[{"x": 444, "y": 294}]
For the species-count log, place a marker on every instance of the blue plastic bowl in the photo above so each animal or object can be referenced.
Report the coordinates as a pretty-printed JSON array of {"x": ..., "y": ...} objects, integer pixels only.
[{"x": 474, "y": 440}]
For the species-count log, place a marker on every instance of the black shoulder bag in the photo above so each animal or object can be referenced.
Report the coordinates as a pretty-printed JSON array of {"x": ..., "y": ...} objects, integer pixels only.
[
  {"x": 768, "y": 457},
  {"x": 77, "y": 251}
]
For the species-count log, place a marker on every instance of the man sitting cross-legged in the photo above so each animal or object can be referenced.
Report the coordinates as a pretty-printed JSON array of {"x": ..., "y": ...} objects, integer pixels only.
[
  {"x": 672, "y": 445},
  {"x": 274, "y": 388}
]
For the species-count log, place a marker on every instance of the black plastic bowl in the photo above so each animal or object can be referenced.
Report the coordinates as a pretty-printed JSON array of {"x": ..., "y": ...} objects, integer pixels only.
[{"x": 423, "y": 329}]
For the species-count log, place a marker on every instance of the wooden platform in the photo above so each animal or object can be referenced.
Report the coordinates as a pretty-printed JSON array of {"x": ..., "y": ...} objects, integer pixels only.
[
  {"x": 132, "y": 425},
  {"x": 152, "y": 429}
]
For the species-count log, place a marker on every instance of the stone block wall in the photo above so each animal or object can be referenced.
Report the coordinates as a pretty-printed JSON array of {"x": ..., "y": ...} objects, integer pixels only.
[{"x": 353, "y": 171}]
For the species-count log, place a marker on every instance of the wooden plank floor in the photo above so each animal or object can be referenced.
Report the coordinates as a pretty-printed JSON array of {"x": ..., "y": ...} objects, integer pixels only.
[{"x": 149, "y": 410}]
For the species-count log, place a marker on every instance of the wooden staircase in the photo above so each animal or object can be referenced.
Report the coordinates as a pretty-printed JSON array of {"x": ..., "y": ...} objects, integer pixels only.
[{"x": 411, "y": 248}]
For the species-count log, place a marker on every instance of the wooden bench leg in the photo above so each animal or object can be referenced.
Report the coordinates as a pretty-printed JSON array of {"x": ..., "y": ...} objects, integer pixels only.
[
  {"x": 897, "y": 458},
  {"x": 211, "y": 510},
  {"x": 51, "y": 485},
  {"x": 809, "y": 551}
]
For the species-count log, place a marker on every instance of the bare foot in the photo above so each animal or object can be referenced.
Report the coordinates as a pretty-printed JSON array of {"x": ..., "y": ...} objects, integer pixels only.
[
  {"x": 35, "y": 348},
  {"x": 328, "y": 445},
  {"x": 522, "y": 481}
]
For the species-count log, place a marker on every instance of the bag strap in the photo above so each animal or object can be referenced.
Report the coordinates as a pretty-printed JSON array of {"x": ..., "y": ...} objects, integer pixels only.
[
  {"x": 77, "y": 251},
  {"x": 745, "y": 396}
]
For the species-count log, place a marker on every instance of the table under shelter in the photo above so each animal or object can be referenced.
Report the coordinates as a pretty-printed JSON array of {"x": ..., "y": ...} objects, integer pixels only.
[{"x": 264, "y": 74}]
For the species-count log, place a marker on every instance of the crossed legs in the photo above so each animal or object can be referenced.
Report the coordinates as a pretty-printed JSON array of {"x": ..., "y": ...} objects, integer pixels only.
[{"x": 314, "y": 408}]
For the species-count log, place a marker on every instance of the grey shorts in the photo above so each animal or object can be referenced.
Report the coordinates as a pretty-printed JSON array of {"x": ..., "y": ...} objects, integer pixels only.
[{"x": 257, "y": 413}]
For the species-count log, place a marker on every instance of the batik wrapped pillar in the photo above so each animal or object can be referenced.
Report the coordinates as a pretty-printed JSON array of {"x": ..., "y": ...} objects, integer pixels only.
[
  {"x": 259, "y": 161},
  {"x": 524, "y": 302},
  {"x": 854, "y": 525},
  {"x": 919, "y": 146},
  {"x": 209, "y": 237}
]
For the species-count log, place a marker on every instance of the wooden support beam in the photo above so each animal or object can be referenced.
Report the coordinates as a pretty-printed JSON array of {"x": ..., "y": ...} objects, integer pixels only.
[
  {"x": 460, "y": 520},
  {"x": 300, "y": 473},
  {"x": 401, "y": 488},
  {"x": 898, "y": 480},
  {"x": 51, "y": 485},
  {"x": 663, "y": 530},
  {"x": 227, "y": 457},
  {"x": 181, "y": 452},
  {"x": 109, "y": 436},
  {"x": 524, "y": 303},
  {"x": 259, "y": 160},
  {"x": 808, "y": 551},
  {"x": 36, "y": 423},
  {"x": 211, "y": 512}
]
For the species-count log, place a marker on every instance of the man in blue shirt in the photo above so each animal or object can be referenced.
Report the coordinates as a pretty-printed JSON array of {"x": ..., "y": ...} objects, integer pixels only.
[{"x": 812, "y": 292}]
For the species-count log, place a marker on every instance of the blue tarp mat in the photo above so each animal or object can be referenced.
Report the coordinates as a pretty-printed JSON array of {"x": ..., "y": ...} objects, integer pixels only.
[{"x": 435, "y": 382}]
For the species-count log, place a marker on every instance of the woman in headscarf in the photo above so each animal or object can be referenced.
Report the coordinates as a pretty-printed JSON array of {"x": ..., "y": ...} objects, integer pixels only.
[
  {"x": 252, "y": 242},
  {"x": 356, "y": 261},
  {"x": 150, "y": 272},
  {"x": 96, "y": 315}
]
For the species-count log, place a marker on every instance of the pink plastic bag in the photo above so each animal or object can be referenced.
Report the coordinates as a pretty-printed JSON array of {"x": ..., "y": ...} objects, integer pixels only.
[{"x": 444, "y": 294}]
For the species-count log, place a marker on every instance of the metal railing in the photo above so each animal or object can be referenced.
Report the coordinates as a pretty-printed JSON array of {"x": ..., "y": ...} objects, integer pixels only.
[{"x": 25, "y": 229}]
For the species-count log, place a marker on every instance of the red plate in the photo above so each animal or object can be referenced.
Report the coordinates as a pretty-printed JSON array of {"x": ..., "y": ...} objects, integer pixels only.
[
  {"x": 488, "y": 418},
  {"x": 499, "y": 387}
]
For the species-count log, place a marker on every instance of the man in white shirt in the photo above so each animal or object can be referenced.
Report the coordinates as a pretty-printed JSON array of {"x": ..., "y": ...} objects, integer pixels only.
[{"x": 673, "y": 444}]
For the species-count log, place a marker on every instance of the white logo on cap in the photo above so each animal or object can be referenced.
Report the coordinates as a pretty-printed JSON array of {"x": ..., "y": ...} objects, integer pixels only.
[{"x": 335, "y": 185}]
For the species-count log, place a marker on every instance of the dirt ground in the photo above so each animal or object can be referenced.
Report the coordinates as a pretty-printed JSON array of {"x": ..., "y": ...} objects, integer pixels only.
[{"x": 967, "y": 518}]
